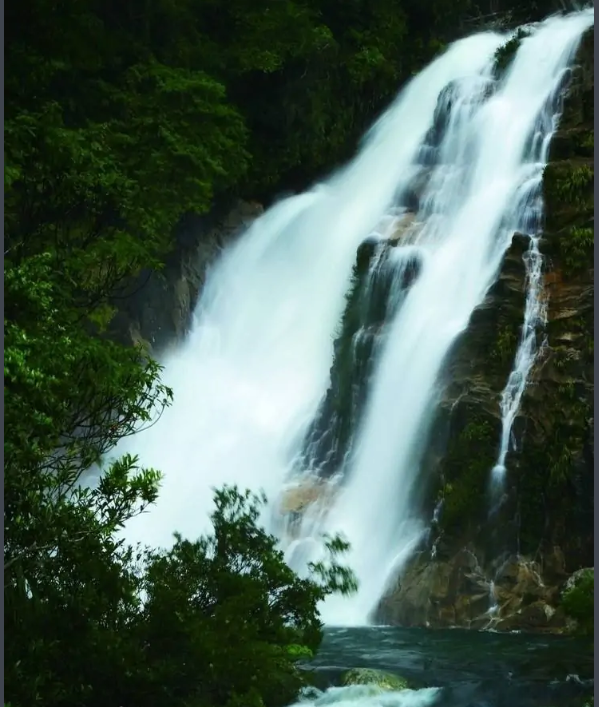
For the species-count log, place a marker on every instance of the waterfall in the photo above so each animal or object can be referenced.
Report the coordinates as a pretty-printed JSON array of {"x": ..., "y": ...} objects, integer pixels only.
[
  {"x": 250, "y": 378},
  {"x": 480, "y": 193}
]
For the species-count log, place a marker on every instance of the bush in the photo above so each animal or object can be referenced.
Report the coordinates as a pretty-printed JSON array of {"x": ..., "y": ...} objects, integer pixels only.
[
  {"x": 578, "y": 602},
  {"x": 221, "y": 621}
]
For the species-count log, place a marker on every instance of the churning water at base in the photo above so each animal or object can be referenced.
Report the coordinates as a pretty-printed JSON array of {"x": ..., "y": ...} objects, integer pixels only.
[
  {"x": 453, "y": 668},
  {"x": 369, "y": 696},
  {"x": 250, "y": 377}
]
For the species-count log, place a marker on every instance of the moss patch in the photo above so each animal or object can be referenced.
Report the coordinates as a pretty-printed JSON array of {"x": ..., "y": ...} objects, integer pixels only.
[
  {"x": 568, "y": 192},
  {"x": 555, "y": 469},
  {"x": 465, "y": 472},
  {"x": 507, "y": 51},
  {"x": 576, "y": 249},
  {"x": 378, "y": 678},
  {"x": 506, "y": 345}
]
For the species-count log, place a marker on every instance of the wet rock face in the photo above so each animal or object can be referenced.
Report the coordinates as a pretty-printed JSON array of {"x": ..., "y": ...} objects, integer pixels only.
[
  {"x": 448, "y": 98},
  {"x": 555, "y": 466},
  {"x": 159, "y": 305},
  {"x": 464, "y": 441},
  {"x": 382, "y": 276},
  {"x": 309, "y": 495},
  {"x": 547, "y": 510},
  {"x": 464, "y": 590}
]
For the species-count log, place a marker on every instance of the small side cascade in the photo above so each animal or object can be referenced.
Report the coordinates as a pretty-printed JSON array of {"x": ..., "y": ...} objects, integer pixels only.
[
  {"x": 529, "y": 221},
  {"x": 493, "y": 606}
]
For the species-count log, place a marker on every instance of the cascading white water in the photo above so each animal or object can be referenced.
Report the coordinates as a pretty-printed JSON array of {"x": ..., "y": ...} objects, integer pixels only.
[
  {"x": 250, "y": 376},
  {"x": 477, "y": 198},
  {"x": 249, "y": 379}
]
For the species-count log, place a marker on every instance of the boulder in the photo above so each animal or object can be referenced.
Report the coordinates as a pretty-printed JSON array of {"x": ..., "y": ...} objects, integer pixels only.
[
  {"x": 379, "y": 678},
  {"x": 464, "y": 592},
  {"x": 300, "y": 496},
  {"x": 307, "y": 494}
]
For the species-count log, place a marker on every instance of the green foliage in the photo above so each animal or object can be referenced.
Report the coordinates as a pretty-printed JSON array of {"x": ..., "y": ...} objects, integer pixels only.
[
  {"x": 505, "y": 346},
  {"x": 573, "y": 188},
  {"x": 69, "y": 398},
  {"x": 170, "y": 101},
  {"x": 567, "y": 436},
  {"x": 578, "y": 602},
  {"x": 223, "y": 620},
  {"x": 587, "y": 143},
  {"x": 555, "y": 464},
  {"x": 507, "y": 51},
  {"x": 568, "y": 185},
  {"x": 576, "y": 249},
  {"x": 106, "y": 190},
  {"x": 568, "y": 194},
  {"x": 465, "y": 473},
  {"x": 225, "y": 616}
]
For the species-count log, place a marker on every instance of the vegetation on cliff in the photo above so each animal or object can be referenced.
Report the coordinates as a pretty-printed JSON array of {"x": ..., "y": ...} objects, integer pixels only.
[
  {"x": 507, "y": 51},
  {"x": 550, "y": 474},
  {"x": 578, "y": 601}
]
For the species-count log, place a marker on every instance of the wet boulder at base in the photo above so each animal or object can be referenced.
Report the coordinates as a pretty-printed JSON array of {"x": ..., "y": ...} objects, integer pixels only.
[{"x": 378, "y": 678}]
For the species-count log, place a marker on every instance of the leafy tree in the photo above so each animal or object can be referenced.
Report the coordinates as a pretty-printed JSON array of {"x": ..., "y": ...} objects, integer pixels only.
[
  {"x": 69, "y": 398},
  {"x": 223, "y": 620},
  {"x": 226, "y": 619},
  {"x": 196, "y": 97}
]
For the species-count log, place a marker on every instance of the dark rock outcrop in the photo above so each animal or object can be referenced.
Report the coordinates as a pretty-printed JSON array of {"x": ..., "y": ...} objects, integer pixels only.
[
  {"x": 378, "y": 288},
  {"x": 158, "y": 306}
]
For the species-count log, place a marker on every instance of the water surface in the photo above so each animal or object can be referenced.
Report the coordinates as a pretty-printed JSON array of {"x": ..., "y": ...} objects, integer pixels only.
[{"x": 472, "y": 669}]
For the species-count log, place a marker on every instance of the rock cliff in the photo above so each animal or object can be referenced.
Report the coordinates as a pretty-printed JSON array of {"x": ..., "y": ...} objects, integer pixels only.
[
  {"x": 507, "y": 571},
  {"x": 158, "y": 306}
]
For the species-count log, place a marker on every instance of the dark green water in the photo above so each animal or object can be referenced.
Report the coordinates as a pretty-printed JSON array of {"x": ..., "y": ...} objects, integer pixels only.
[{"x": 473, "y": 669}]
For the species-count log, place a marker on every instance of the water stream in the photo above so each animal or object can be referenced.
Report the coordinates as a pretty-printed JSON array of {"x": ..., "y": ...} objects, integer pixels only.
[{"x": 453, "y": 668}]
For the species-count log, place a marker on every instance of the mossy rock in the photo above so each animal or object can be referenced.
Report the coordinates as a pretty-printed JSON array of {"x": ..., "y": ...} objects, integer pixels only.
[
  {"x": 379, "y": 678},
  {"x": 506, "y": 52},
  {"x": 572, "y": 143},
  {"x": 466, "y": 467}
]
